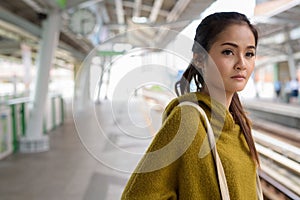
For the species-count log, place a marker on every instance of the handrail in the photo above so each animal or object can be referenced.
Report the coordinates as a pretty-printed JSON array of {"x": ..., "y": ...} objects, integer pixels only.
[
  {"x": 18, "y": 115},
  {"x": 17, "y": 101}
]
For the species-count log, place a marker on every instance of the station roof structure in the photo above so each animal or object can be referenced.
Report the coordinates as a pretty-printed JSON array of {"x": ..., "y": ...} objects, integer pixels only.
[
  {"x": 278, "y": 22},
  {"x": 21, "y": 22}
]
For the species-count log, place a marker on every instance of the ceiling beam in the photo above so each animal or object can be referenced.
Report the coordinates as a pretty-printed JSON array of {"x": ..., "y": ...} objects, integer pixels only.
[
  {"x": 175, "y": 13},
  {"x": 120, "y": 11},
  {"x": 145, "y": 8},
  {"x": 271, "y": 8},
  {"x": 103, "y": 12},
  {"x": 179, "y": 7},
  {"x": 285, "y": 21},
  {"x": 279, "y": 37},
  {"x": 155, "y": 10},
  {"x": 35, "y": 6},
  {"x": 21, "y": 23},
  {"x": 137, "y": 8},
  {"x": 26, "y": 30},
  {"x": 277, "y": 19}
]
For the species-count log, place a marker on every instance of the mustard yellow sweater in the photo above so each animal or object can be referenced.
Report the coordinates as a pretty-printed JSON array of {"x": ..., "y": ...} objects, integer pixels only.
[{"x": 179, "y": 171}]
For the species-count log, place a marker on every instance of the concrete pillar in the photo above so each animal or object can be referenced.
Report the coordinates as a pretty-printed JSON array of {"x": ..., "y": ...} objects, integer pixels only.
[
  {"x": 27, "y": 63},
  {"x": 35, "y": 140},
  {"x": 290, "y": 54}
]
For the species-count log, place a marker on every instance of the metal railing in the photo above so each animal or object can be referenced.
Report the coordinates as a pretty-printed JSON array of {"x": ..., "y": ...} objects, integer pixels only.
[{"x": 15, "y": 114}]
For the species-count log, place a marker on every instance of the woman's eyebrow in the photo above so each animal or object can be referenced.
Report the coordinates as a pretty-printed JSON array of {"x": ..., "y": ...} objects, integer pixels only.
[
  {"x": 230, "y": 44},
  {"x": 236, "y": 46}
]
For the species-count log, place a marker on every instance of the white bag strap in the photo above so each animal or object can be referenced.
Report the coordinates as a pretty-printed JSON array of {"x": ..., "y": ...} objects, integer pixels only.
[
  {"x": 220, "y": 170},
  {"x": 259, "y": 190}
]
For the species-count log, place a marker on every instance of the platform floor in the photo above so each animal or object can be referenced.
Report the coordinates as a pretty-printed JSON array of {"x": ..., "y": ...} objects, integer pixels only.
[
  {"x": 89, "y": 160},
  {"x": 81, "y": 163},
  {"x": 274, "y": 106}
]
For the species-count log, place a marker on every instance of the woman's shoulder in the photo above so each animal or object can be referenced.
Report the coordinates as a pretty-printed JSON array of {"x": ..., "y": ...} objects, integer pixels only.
[
  {"x": 179, "y": 127},
  {"x": 178, "y": 107},
  {"x": 176, "y": 111}
]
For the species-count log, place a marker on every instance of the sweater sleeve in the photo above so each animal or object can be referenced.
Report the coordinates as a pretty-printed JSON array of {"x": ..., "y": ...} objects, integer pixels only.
[{"x": 156, "y": 175}]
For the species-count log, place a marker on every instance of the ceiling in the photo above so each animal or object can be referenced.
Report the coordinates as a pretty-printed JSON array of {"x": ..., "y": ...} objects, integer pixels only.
[
  {"x": 21, "y": 22},
  {"x": 278, "y": 22}
]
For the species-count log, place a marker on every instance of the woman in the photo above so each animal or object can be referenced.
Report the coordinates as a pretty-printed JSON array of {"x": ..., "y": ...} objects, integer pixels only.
[{"x": 183, "y": 170}]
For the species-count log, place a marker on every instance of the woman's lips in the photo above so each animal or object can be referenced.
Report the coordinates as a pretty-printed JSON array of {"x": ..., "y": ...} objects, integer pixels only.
[{"x": 238, "y": 77}]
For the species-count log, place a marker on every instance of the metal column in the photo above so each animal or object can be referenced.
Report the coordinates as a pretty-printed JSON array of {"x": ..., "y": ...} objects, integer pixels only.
[{"x": 35, "y": 140}]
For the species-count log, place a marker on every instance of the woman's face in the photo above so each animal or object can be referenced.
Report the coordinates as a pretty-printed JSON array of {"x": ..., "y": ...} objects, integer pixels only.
[{"x": 233, "y": 53}]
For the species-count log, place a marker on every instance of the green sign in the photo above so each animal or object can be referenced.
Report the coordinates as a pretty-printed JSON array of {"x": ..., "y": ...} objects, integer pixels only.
[{"x": 61, "y": 3}]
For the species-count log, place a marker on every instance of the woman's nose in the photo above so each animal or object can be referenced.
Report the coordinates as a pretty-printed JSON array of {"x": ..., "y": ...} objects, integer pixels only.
[{"x": 240, "y": 63}]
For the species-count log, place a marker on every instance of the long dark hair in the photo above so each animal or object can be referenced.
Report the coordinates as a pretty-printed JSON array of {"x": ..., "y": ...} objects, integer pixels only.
[{"x": 206, "y": 34}]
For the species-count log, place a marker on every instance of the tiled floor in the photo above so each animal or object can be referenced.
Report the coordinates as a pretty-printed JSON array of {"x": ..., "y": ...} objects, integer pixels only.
[{"x": 88, "y": 163}]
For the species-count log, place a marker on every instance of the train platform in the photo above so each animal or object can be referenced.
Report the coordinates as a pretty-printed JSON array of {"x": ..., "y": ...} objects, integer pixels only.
[
  {"x": 273, "y": 105},
  {"x": 92, "y": 158},
  {"x": 70, "y": 170},
  {"x": 282, "y": 113}
]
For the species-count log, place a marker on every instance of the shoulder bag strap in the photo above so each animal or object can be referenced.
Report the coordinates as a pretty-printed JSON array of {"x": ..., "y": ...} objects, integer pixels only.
[
  {"x": 211, "y": 138},
  {"x": 259, "y": 190},
  {"x": 220, "y": 170}
]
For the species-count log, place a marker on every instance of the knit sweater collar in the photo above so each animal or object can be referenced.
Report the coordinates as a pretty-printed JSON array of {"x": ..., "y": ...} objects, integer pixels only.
[{"x": 219, "y": 117}]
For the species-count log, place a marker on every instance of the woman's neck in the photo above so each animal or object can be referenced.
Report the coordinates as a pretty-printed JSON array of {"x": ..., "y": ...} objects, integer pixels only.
[{"x": 220, "y": 96}]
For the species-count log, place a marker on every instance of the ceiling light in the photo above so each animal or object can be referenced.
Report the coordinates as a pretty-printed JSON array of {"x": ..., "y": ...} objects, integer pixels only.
[{"x": 140, "y": 20}]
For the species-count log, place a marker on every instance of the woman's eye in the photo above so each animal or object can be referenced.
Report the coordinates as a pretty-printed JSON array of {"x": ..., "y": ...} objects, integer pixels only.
[
  {"x": 227, "y": 52},
  {"x": 250, "y": 54}
]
